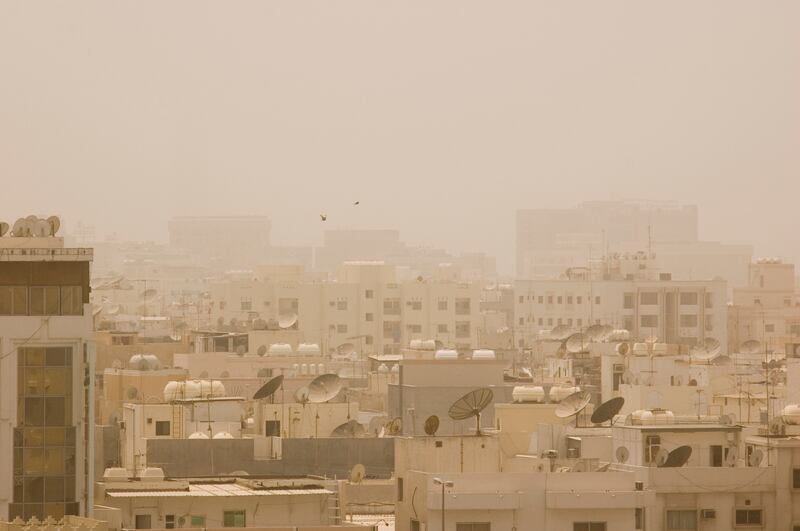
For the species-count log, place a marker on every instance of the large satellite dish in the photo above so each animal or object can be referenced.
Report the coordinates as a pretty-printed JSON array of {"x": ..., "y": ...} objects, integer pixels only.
[
  {"x": 269, "y": 388},
  {"x": 576, "y": 343},
  {"x": 346, "y": 349},
  {"x": 3, "y": 228},
  {"x": 287, "y": 320},
  {"x": 351, "y": 428},
  {"x": 471, "y": 405},
  {"x": 755, "y": 458},
  {"x": 324, "y": 388},
  {"x": 55, "y": 224},
  {"x": 394, "y": 426},
  {"x": 622, "y": 454},
  {"x": 560, "y": 332},
  {"x": 751, "y": 346},
  {"x": 573, "y": 404},
  {"x": 431, "y": 425},
  {"x": 677, "y": 457},
  {"x": 707, "y": 351},
  {"x": 262, "y": 350},
  {"x": 357, "y": 473},
  {"x": 607, "y": 410},
  {"x": 598, "y": 333}
]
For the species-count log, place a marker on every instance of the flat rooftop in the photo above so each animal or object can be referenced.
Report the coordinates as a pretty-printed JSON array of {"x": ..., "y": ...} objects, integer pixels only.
[{"x": 212, "y": 489}]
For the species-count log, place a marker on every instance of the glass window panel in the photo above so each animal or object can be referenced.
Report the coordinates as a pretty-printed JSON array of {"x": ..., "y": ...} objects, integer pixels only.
[
  {"x": 56, "y": 510},
  {"x": 55, "y": 381},
  {"x": 18, "y": 468},
  {"x": 71, "y": 300},
  {"x": 70, "y": 436},
  {"x": 54, "y": 436},
  {"x": 34, "y": 489},
  {"x": 54, "y": 461},
  {"x": 55, "y": 411},
  {"x": 34, "y": 357},
  {"x": 54, "y": 489},
  {"x": 33, "y": 461},
  {"x": 54, "y": 357},
  {"x": 33, "y": 509},
  {"x": 33, "y": 437},
  {"x": 34, "y": 381},
  {"x": 18, "y": 437},
  {"x": 72, "y": 508},
  {"x": 69, "y": 460},
  {"x": 69, "y": 488},
  {"x": 6, "y": 300},
  {"x": 20, "y": 295},
  {"x": 37, "y": 300},
  {"x": 19, "y": 491},
  {"x": 15, "y": 510},
  {"x": 34, "y": 412},
  {"x": 51, "y": 300}
]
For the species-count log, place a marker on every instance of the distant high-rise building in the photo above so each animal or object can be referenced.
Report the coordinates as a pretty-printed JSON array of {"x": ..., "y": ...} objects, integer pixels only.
[
  {"x": 46, "y": 394},
  {"x": 551, "y": 240},
  {"x": 231, "y": 242}
]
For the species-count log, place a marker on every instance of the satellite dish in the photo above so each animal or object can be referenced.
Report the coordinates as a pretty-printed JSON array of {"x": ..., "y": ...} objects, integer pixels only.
[
  {"x": 346, "y": 349},
  {"x": 677, "y": 457},
  {"x": 323, "y": 388},
  {"x": 150, "y": 294},
  {"x": 730, "y": 458},
  {"x": 395, "y": 426},
  {"x": 661, "y": 457},
  {"x": 573, "y": 404},
  {"x": 262, "y": 350},
  {"x": 431, "y": 425},
  {"x": 287, "y": 320},
  {"x": 55, "y": 224},
  {"x": 132, "y": 393},
  {"x": 607, "y": 410},
  {"x": 623, "y": 349},
  {"x": 560, "y": 332},
  {"x": 471, "y": 405},
  {"x": 622, "y": 454},
  {"x": 357, "y": 473},
  {"x": 577, "y": 343},
  {"x": 726, "y": 420},
  {"x": 594, "y": 332},
  {"x": 301, "y": 395},
  {"x": 751, "y": 346},
  {"x": 20, "y": 229},
  {"x": 351, "y": 428},
  {"x": 269, "y": 388},
  {"x": 3, "y": 228},
  {"x": 439, "y": 344},
  {"x": 628, "y": 377},
  {"x": 756, "y": 457},
  {"x": 41, "y": 228}
]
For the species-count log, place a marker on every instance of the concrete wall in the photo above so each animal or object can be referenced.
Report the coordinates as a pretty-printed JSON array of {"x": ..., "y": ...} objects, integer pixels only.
[{"x": 322, "y": 457}]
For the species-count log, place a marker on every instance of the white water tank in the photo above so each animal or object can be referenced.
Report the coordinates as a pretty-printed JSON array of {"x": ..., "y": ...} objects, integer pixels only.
[
  {"x": 395, "y": 368},
  {"x": 304, "y": 368},
  {"x": 446, "y": 354},
  {"x": 198, "y": 435},
  {"x": 483, "y": 354},
  {"x": 280, "y": 349},
  {"x": 383, "y": 369},
  {"x": 559, "y": 393},
  {"x": 308, "y": 349},
  {"x": 171, "y": 391},
  {"x": 222, "y": 435},
  {"x": 657, "y": 416},
  {"x": 659, "y": 349},
  {"x": 191, "y": 389},
  {"x": 217, "y": 389},
  {"x": 528, "y": 394},
  {"x": 321, "y": 368},
  {"x": 640, "y": 349},
  {"x": 791, "y": 414},
  {"x": 295, "y": 369},
  {"x": 415, "y": 344},
  {"x": 152, "y": 362},
  {"x": 429, "y": 344}
]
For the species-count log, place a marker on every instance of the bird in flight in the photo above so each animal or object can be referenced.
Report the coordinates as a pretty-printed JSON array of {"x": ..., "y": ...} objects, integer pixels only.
[
  {"x": 357, "y": 203},
  {"x": 323, "y": 217}
]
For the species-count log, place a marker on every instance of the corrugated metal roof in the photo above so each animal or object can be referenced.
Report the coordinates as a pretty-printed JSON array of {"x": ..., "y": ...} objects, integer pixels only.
[{"x": 211, "y": 489}]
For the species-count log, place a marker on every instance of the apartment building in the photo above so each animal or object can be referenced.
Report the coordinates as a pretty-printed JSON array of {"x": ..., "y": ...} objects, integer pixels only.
[{"x": 46, "y": 396}]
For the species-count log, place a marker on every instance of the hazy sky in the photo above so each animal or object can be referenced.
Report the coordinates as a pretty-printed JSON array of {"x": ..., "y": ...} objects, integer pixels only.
[{"x": 442, "y": 118}]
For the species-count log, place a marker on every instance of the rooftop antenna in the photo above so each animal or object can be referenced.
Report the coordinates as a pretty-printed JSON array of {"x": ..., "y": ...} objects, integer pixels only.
[{"x": 471, "y": 405}]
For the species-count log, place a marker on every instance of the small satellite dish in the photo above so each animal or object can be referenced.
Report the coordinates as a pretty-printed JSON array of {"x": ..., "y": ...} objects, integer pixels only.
[
  {"x": 661, "y": 457},
  {"x": 628, "y": 377},
  {"x": 301, "y": 395},
  {"x": 323, "y": 388},
  {"x": 262, "y": 350},
  {"x": 756, "y": 457},
  {"x": 394, "y": 427},
  {"x": 269, "y": 388},
  {"x": 677, "y": 457},
  {"x": 351, "y": 428},
  {"x": 132, "y": 393},
  {"x": 431, "y": 425},
  {"x": 751, "y": 346},
  {"x": 623, "y": 349},
  {"x": 577, "y": 343},
  {"x": 622, "y": 454},
  {"x": 20, "y": 229},
  {"x": 357, "y": 473},
  {"x": 607, "y": 410},
  {"x": 560, "y": 332},
  {"x": 287, "y": 320},
  {"x": 3, "y": 228},
  {"x": 471, "y": 405},
  {"x": 573, "y": 404},
  {"x": 55, "y": 224},
  {"x": 41, "y": 228},
  {"x": 730, "y": 457}
]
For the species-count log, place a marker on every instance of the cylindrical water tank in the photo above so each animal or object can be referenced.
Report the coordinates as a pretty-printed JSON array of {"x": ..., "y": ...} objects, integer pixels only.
[
  {"x": 137, "y": 362},
  {"x": 172, "y": 391},
  {"x": 321, "y": 368},
  {"x": 528, "y": 394},
  {"x": 415, "y": 344},
  {"x": 446, "y": 354},
  {"x": 659, "y": 349},
  {"x": 791, "y": 414},
  {"x": 429, "y": 344},
  {"x": 308, "y": 349},
  {"x": 383, "y": 368},
  {"x": 304, "y": 368},
  {"x": 395, "y": 369},
  {"x": 191, "y": 389},
  {"x": 640, "y": 349},
  {"x": 152, "y": 362},
  {"x": 483, "y": 354},
  {"x": 198, "y": 435},
  {"x": 280, "y": 349},
  {"x": 205, "y": 388},
  {"x": 217, "y": 389},
  {"x": 222, "y": 435}
]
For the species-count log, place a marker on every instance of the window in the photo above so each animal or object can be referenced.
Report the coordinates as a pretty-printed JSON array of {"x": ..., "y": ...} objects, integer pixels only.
[
  {"x": 368, "y": 340},
  {"x": 473, "y": 526},
  {"x": 796, "y": 478},
  {"x": 521, "y": 321},
  {"x": 391, "y": 306},
  {"x": 597, "y": 299},
  {"x": 462, "y": 329},
  {"x": 341, "y": 329},
  {"x": 368, "y": 294},
  {"x": 648, "y": 297},
  {"x": 233, "y": 519},
  {"x": 414, "y": 329},
  {"x": 414, "y": 525},
  {"x": 709, "y": 300},
  {"x": 627, "y": 322},
  {"x": 627, "y": 301},
  {"x": 44, "y": 300},
  {"x": 246, "y": 304},
  {"x": 341, "y": 304},
  {"x": 549, "y": 321},
  {"x": 569, "y": 299},
  {"x": 442, "y": 328},
  {"x": 416, "y": 305},
  {"x": 142, "y": 521},
  {"x": 688, "y": 299},
  {"x": 649, "y": 321},
  {"x": 682, "y": 519},
  {"x": 748, "y": 517},
  {"x": 521, "y": 299},
  {"x": 399, "y": 489},
  {"x": 162, "y": 427},
  {"x": 71, "y": 300},
  {"x": 579, "y": 300},
  {"x": 794, "y": 329},
  {"x": 652, "y": 444},
  {"x": 169, "y": 521},
  {"x": 463, "y": 306},
  {"x": 588, "y": 526},
  {"x": 688, "y": 321},
  {"x": 769, "y": 328},
  {"x": 559, "y": 299},
  {"x": 549, "y": 299},
  {"x": 638, "y": 518},
  {"x": 716, "y": 455},
  {"x": 541, "y": 299},
  {"x": 442, "y": 305},
  {"x": 272, "y": 428},
  {"x": 540, "y": 321},
  {"x": 198, "y": 521},
  {"x": 368, "y": 317}
]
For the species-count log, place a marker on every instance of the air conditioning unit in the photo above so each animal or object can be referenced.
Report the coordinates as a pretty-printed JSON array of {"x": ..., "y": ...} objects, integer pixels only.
[
  {"x": 572, "y": 453},
  {"x": 639, "y": 485},
  {"x": 708, "y": 514}
]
